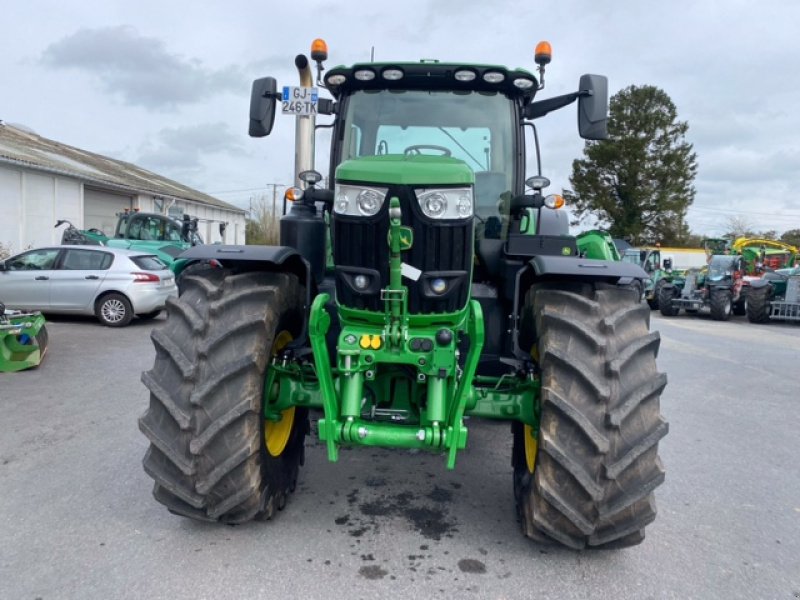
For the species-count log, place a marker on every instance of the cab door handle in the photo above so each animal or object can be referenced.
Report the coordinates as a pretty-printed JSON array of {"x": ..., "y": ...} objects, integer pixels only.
[
  {"x": 41, "y": 278},
  {"x": 91, "y": 277}
]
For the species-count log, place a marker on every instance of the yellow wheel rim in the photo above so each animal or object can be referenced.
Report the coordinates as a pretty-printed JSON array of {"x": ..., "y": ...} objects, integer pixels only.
[
  {"x": 277, "y": 433},
  {"x": 530, "y": 448}
]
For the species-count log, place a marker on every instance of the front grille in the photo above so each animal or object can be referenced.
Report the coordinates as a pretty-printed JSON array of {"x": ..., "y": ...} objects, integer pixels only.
[{"x": 441, "y": 249}]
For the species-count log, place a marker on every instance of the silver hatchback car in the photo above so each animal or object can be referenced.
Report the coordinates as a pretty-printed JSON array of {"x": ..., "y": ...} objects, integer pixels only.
[{"x": 111, "y": 283}]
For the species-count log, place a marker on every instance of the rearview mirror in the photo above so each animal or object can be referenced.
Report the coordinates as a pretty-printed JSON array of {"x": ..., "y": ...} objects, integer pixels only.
[
  {"x": 593, "y": 107},
  {"x": 262, "y": 106}
]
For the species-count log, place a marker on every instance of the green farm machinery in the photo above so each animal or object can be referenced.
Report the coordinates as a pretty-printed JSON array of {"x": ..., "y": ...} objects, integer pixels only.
[
  {"x": 161, "y": 235},
  {"x": 775, "y": 297},
  {"x": 658, "y": 273},
  {"x": 719, "y": 286},
  {"x": 427, "y": 281},
  {"x": 23, "y": 339}
]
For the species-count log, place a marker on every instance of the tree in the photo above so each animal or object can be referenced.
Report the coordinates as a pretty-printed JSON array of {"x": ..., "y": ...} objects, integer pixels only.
[
  {"x": 262, "y": 226},
  {"x": 791, "y": 237},
  {"x": 739, "y": 226},
  {"x": 638, "y": 183}
]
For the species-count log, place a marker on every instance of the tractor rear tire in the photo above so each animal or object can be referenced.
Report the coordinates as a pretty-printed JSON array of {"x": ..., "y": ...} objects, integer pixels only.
[
  {"x": 665, "y": 296},
  {"x": 758, "y": 304},
  {"x": 595, "y": 460},
  {"x": 721, "y": 305},
  {"x": 208, "y": 449}
]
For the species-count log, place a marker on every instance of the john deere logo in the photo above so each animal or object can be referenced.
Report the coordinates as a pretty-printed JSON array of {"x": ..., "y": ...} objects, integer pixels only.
[
  {"x": 566, "y": 251},
  {"x": 406, "y": 238}
]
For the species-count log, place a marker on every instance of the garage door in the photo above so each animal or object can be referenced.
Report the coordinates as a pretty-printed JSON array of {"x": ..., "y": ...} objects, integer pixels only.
[{"x": 100, "y": 209}]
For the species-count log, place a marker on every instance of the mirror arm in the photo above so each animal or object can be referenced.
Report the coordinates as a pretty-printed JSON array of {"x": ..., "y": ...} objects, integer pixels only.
[{"x": 542, "y": 107}]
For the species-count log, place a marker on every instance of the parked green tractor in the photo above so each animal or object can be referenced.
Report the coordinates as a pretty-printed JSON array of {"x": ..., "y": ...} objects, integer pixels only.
[
  {"x": 658, "y": 274},
  {"x": 163, "y": 236},
  {"x": 775, "y": 297},
  {"x": 454, "y": 293},
  {"x": 23, "y": 339}
]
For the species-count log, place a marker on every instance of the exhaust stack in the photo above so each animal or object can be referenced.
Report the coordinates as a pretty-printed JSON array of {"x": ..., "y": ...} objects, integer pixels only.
[{"x": 304, "y": 128}]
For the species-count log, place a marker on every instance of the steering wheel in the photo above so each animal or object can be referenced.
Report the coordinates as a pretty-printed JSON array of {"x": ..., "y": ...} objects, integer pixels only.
[
  {"x": 95, "y": 230},
  {"x": 418, "y": 148}
]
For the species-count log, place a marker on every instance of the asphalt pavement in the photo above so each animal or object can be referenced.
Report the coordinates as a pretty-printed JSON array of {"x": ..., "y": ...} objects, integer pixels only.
[{"x": 77, "y": 519}]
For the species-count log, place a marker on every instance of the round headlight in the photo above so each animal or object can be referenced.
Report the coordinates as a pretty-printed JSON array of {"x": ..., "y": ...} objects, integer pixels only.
[
  {"x": 523, "y": 83},
  {"x": 337, "y": 79},
  {"x": 434, "y": 205},
  {"x": 364, "y": 75},
  {"x": 392, "y": 74},
  {"x": 438, "y": 286},
  {"x": 368, "y": 202},
  {"x": 464, "y": 206},
  {"x": 465, "y": 75},
  {"x": 493, "y": 77},
  {"x": 361, "y": 281}
]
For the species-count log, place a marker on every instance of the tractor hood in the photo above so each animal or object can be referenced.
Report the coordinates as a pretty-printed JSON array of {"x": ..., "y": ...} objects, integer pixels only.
[{"x": 397, "y": 169}]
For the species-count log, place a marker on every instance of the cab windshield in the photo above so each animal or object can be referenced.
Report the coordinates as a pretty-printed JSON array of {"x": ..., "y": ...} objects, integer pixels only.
[
  {"x": 476, "y": 127},
  {"x": 721, "y": 267}
]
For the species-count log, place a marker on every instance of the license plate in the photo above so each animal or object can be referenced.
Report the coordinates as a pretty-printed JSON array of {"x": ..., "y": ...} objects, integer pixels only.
[{"x": 299, "y": 101}]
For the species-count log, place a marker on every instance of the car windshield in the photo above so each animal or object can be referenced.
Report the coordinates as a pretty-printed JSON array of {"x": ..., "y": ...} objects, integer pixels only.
[{"x": 476, "y": 127}]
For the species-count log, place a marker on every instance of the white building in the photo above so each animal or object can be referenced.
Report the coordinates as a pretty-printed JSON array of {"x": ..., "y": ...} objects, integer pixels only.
[{"x": 42, "y": 181}]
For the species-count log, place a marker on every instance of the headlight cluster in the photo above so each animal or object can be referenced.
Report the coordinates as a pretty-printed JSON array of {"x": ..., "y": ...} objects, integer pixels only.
[
  {"x": 445, "y": 203},
  {"x": 358, "y": 201}
]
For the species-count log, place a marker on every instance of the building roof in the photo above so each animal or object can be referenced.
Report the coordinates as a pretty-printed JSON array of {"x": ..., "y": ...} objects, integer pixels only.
[{"x": 24, "y": 148}]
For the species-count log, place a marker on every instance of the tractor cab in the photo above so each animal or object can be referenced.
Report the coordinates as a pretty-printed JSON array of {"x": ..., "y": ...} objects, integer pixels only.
[{"x": 157, "y": 228}]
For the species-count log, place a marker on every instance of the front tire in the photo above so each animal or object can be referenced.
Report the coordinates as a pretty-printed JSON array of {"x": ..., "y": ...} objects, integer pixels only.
[
  {"x": 209, "y": 453},
  {"x": 758, "y": 304},
  {"x": 595, "y": 459},
  {"x": 665, "y": 296},
  {"x": 653, "y": 302},
  {"x": 721, "y": 305}
]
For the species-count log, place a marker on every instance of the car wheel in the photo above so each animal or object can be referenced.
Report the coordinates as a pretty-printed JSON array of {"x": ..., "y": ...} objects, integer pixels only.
[{"x": 114, "y": 310}]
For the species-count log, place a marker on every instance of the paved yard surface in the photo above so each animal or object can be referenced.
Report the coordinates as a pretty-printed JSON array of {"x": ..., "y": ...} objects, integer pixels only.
[{"x": 77, "y": 519}]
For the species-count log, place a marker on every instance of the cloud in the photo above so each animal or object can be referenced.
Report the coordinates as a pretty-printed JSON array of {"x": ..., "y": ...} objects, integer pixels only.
[
  {"x": 182, "y": 149},
  {"x": 140, "y": 69}
]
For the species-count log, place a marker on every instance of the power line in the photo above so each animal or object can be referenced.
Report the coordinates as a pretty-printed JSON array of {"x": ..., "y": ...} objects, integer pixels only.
[{"x": 745, "y": 212}]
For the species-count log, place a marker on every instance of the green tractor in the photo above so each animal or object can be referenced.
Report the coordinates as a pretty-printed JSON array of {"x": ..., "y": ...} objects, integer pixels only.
[
  {"x": 23, "y": 339},
  {"x": 452, "y": 293},
  {"x": 163, "y": 236},
  {"x": 650, "y": 260},
  {"x": 775, "y": 297}
]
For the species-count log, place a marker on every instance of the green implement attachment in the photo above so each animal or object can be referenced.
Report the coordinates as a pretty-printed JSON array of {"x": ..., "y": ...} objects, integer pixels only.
[{"x": 23, "y": 340}]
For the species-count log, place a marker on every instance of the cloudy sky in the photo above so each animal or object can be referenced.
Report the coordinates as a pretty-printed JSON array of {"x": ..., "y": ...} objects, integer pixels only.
[{"x": 166, "y": 84}]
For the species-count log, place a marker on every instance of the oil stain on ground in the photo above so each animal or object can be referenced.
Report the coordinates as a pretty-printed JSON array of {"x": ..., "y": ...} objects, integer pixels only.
[
  {"x": 431, "y": 521},
  {"x": 372, "y": 572},
  {"x": 470, "y": 565}
]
